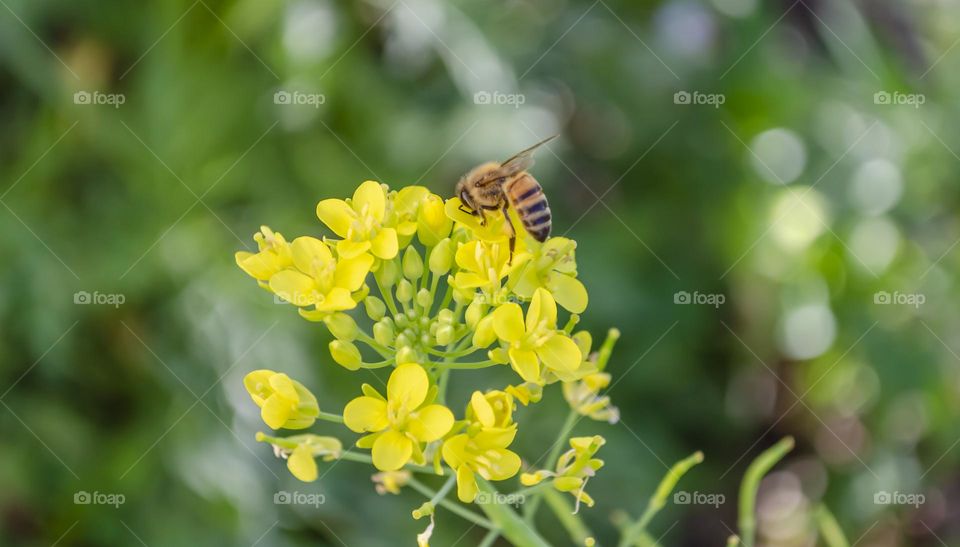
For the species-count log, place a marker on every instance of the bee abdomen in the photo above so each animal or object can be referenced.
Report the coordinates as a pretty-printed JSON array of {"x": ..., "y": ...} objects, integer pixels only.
[{"x": 529, "y": 201}]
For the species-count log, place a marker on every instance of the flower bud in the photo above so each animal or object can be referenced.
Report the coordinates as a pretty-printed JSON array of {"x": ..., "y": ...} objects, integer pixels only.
[
  {"x": 424, "y": 299},
  {"x": 389, "y": 272},
  {"x": 407, "y": 355},
  {"x": 383, "y": 333},
  {"x": 345, "y": 354},
  {"x": 445, "y": 316},
  {"x": 404, "y": 291},
  {"x": 375, "y": 308},
  {"x": 433, "y": 224},
  {"x": 342, "y": 326},
  {"x": 412, "y": 264},
  {"x": 499, "y": 356},
  {"x": 441, "y": 258},
  {"x": 475, "y": 312},
  {"x": 444, "y": 335},
  {"x": 484, "y": 334}
]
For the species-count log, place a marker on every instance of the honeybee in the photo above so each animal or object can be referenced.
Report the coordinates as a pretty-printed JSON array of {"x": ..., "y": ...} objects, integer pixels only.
[{"x": 491, "y": 186}]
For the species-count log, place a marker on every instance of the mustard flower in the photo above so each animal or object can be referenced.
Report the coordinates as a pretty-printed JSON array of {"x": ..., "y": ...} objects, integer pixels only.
[
  {"x": 535, "y": 341},
  {"x": 284, "y": 403},
  {"x": 574, "y": 468},
  {"x": 584, "y": 397},
  {"x": 403, "y": 208},
  {"x": 390, "y": 482},
  {"x": 400, "y": 422},
  {"x": 319, "y": 279},
  {"x": 551, "y": 266},
  {"x": 433, "y": 224},
  {"x": 359, "y": 222},
  {"x": 482, "y": 266},
  {"x": 274, "y": 255},
  {"x": 300, "y": 451},
  {"x": 482, "y": 448}
]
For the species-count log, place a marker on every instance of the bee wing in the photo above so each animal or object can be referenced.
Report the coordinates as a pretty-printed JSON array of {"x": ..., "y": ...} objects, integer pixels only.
[{"x": 516, "y": 164}]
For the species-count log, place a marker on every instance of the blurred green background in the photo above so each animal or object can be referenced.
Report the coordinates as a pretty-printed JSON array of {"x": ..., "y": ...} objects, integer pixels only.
[{"x": 764, "y": 194}]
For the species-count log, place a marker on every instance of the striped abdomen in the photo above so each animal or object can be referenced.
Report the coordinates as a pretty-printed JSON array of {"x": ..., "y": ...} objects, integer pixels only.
[{"x": 528, "y": 200}]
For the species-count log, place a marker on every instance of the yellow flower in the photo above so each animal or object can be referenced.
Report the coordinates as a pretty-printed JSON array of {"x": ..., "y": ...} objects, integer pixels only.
[
  {"x": 390, "y": 482},
  {"x": 583, "y": 396},
  {"x": 402, "y": 421},
  {"x": 494, "y": 229},
  {"x": 483, "y": 265},
  {"x": 274, "y": 255},
  {"x": 536, "y": 341},
  {"x": 300, "y": 451},
  {"x": 284, "y": 403},
  {"x": 493, "y": 410},
  {"x": 526, "y": 393},
  {"x": 554, "y": 268},
  {"x": 360, "y": 222},
  {"x": 482, "y": 453},
  {"x": 574, "y": 468},
  {"x": 319, "y": 279},
  {"x": 433, "y": 224},
  {"x": 403, "y": 207}
]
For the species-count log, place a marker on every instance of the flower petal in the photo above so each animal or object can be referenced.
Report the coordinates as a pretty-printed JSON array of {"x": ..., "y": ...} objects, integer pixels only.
[
  {"x": 432, "y": 422},
  {"x": 366, "y": 414},
  {"x": 526, "y": 364},
  {"x": 351, "y": 249},
  {"x": 337, "y": 299},
  {"x": 569, "y": 292},
  {"x": 508, "y": 322},
  {"x": 482, "y": 409},
  {"x": 294, "y": 287},
  {"x": 275, "y": 411},
  {"x": 385, "y": 245},
  {"x": 261, "y": 265},
  {"x": 559, "y": 352},
  {"x": 503, "y": 464},
  {"x": 309, "y": 252},
  {"x": 466, "y": 484},
  {"x": 351, "y": 272},
  {"x": 258, "y": 385},
  {"x": 407, "y": 386},
  {"x": 542, "y": 308},
  {"x": 391, "y": 451},
  {"x": 454, "y": 450},
  {"x": 301, "y": 463},
  {"x": 370, "y": 199},
  {"x": 337, "y": 215}
]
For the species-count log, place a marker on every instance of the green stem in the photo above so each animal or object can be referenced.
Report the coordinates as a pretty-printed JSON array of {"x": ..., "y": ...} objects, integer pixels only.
[
  {"x": 830, "y": 528},
  {"x": 453, "y": 365},
  {"x": 512, "y": 527},
  {"x": 364, "y": 458},
  {"x": 659, "y": 498},
  {"x": 387, "y": 295},
  {"x": 330, "y": 417},
  {"x": 571, "y": 522},
  {"x": 370, "y": 341},
  {"x": 488, "y": 539},
  {"x": 530, "y": 509},
  {"x": 454, "y": 508},
  {"x": 442, "y": 386},
  {"x": 751, "y": 483}
]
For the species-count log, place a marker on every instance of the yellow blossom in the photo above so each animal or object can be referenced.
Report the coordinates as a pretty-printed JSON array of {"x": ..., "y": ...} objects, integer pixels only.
[
  {"x": 482, "y": 266},
  {"x": 319, "y": 279},
  {"x": 574, "y": 468},
  {"x": 359, "y": 222},
  {"x": 400, "y": 422},
  {"x": 433, "y": 224},
  {"x": 403, "y": 208},
  {"x": 535, "y": 341},
  {"x": 553, "y": 267},
  {"x": 390, "y": 482},
  {"x": 284, "y": 403},
  {"x": 583, "y": 396},
  {"x": 300, "y": 451},
  {"x": 273, "y": 256}
]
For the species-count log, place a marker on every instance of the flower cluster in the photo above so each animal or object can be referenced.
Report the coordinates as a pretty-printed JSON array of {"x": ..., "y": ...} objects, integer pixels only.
[{"x": 439, "y": 292}]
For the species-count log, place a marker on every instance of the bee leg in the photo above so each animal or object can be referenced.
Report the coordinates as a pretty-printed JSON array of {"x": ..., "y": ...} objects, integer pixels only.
[{"x": 513, "y": 232}]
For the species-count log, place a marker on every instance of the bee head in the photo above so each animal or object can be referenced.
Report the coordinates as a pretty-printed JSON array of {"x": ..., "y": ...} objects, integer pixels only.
[{"x": 464, "y": 195}]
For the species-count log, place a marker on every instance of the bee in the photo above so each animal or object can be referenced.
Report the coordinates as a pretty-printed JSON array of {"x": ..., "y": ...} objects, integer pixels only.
[{"x": 492, "y": 186}]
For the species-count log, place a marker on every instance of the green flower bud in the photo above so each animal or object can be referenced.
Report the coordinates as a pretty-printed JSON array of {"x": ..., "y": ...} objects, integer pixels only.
[
  {"x": 404, "y": 291},
  {"x": 342, "y": 326},
  {"x": 383, "y": 333},
  {"x": 498, "y": 356},
  {"x": 445, "y": 316},
  {"x": 412, "y": 264},
  {"x": 424, "y": 299},
  {"x": 444, "y": 335},
  {"x": 403, "y": 341},
  {"x": 441, "y": 258},
  {"x": 345, "y": 354},
  {"x": 484, "y": 335},
  {"x": 389, "y": 272},
  {"x": 407, "y": 355},
  {"x": 475, "y": 312},
  {"x": 375, "y": 308}
]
